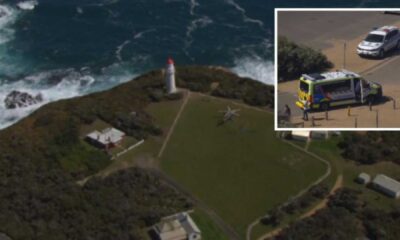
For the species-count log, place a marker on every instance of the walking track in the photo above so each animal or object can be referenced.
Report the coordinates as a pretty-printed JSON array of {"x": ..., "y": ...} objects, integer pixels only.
[
  {"x": 319, "y": 180},
  {"x": 226, "y": 228}
]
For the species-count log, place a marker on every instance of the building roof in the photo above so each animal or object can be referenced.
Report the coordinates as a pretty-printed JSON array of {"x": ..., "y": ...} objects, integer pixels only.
[
  {"x": 301, "y": 133},
  {"x": 108, "y": 135},
  {"x": 339, "y": 74},
  {"x": 364, "y": 176},
  {"x": 177, "y": 226},
  {"x": 387, "y": 182},
  {"x": 170, "y": 230}
]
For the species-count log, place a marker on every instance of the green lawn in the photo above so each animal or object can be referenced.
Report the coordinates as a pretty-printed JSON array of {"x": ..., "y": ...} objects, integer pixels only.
[
  {"x": 209, "y": 231},
  {"x": 239, "y": 168},
  {"x": 145, "y": 154}
]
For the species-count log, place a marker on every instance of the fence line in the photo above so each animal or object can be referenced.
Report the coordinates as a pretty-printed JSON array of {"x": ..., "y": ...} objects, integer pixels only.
[{"x": 127, "y": 149}]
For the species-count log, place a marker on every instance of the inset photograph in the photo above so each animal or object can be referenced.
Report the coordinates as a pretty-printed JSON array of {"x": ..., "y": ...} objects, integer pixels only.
[{"x": 338, "y": 69}]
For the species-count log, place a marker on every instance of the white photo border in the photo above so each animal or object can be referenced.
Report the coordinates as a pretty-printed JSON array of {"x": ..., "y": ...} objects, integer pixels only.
[{"x": 276, "y": 10}]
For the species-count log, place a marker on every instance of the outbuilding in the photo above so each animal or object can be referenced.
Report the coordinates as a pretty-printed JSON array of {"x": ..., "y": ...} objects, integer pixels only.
[
  {"x": 179, "y": 226},
  {"x": 301, "y": 135},
  {"x": 387, "y": 185},
  {"x": 363, "y": 178},
  {"x": 106, "y": 139}
]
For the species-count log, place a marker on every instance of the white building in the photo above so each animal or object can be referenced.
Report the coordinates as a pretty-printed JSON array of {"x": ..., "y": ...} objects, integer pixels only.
[
  {"x": 170, "y": 76},
  {"x": 107, "y": 138},
  {"x": 179, "y": 226},
  {"x": 363, "y": 178},
  {"x": 387, "y": 185},
  {"x": 301, "y": 135}
]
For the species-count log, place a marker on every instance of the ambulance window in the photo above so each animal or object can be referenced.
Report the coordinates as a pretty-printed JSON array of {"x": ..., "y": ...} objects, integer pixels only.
[
  {"x": 318, "y": 89},
  {"x": 338, "y": 86},
  {"x": 304, "y": 86}
]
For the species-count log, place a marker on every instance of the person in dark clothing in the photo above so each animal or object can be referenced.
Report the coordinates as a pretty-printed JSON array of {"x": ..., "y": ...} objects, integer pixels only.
[
  {"x": 288, "y": 112},
  {"x": 306, "y": 109}
]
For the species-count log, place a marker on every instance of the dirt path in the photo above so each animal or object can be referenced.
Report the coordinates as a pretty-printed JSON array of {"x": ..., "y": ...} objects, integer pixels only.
[
  {"x": 323, "y": 203},
  {"x": 172, "y": 128},
  {"x": 319, "y": 180},
  {"x": 226, "y": 228}
]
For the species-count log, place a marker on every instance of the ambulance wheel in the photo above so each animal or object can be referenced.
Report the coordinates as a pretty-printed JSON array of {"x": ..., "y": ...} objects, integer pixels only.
[
  {"x": 380, "y": 94},
  {"x": 324, "y": 106},
  {"x": 370, "y": 100},
  {"x": 381, "y": 53}
]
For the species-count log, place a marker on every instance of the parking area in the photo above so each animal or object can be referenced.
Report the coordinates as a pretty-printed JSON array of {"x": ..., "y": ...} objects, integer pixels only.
[{"x": 329, "y": 31}]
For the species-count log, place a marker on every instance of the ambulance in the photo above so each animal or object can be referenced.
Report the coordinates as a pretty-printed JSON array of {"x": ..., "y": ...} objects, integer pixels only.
[{"x": 342, "y": 87}]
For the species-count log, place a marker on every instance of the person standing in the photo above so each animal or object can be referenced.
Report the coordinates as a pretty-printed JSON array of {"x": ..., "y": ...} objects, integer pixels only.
[
  {"x": 306, "y": 109},
  {"x": 288, "y": 112}
]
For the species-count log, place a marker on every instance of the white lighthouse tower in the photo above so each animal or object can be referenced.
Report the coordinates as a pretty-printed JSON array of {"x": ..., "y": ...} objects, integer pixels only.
[{"x": 170, "y": 76}]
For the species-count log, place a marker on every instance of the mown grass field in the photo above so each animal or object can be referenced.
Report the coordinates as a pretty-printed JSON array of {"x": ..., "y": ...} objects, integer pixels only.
[
  {"x": 209, "y": 231},
  {"x": 240, "y": 169}
]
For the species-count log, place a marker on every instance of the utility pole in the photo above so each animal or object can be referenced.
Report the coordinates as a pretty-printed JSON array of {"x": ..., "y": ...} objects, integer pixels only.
[{"x": 344, "y": 55}]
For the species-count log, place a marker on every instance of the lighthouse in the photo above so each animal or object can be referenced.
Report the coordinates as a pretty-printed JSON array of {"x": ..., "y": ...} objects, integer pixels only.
[{"x": 170, "y": 76}]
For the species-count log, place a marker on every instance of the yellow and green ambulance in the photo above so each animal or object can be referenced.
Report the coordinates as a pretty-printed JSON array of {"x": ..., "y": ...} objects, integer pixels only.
[{"x": 342, "y": 87}]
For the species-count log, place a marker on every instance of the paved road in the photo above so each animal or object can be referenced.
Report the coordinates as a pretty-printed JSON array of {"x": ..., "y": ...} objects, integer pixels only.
[{"x": 316, "y": 29}]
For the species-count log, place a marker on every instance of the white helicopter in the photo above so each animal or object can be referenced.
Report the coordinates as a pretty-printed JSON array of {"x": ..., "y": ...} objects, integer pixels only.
[{"x": 229, "y": 114}]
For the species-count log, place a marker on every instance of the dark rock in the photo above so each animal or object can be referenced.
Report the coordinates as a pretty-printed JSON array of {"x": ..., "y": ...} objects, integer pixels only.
[{"x": 17, "y": 99}]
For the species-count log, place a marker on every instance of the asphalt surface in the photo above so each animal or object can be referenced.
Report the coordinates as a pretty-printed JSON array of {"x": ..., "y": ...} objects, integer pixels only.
[
  {"x": 317, "y": 29},
  {"x": 320, "y": 30}
]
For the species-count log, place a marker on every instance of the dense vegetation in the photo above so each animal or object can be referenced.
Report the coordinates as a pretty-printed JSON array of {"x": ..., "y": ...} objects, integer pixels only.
[
  {"x": 227, "y": 85},
  {"x": 371, "y": 147},
  {"x": 294, "y": 60},
  {"x": 276, "y": 215},
  {"x": 43, "y": 155},
  {"x": 346, "y": 217},
  {"x": 46, "y": 204}
]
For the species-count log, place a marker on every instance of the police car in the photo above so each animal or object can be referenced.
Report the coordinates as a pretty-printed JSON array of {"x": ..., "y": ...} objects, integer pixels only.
[{"x": 379, "y": 41}]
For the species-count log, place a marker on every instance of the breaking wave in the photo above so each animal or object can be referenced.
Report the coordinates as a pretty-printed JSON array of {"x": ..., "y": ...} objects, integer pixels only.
[
  {"x": 28, "y": 5},
  {"x": 119, "y": 40},
  {"x": 256, "y": 68},
  {"x": 55, "y": 85}
]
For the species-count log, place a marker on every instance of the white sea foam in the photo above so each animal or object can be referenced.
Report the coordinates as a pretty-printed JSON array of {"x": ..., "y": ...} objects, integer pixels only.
[
  {"x": 79, "y": 10},
  {"x": 201, "y": 22},
  {"x": 7, "y": 17},
  {"x": 119, "y": 50},
  {"x": 142, "y": 33},
  {"x": 243, "y": 13},
  {"x": 27, "y": 5},
  {"x": 256, "y": 68},
  {"x": 192, "y": 5},
  {"x": 55, "y": 85}
]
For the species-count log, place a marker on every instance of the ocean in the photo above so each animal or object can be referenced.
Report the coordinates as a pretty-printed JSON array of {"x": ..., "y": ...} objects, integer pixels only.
[{"x": 68, "y": 48}]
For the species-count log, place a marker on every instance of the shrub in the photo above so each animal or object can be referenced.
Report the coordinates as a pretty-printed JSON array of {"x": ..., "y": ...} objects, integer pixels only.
[{"x": 294, "y": 60}]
